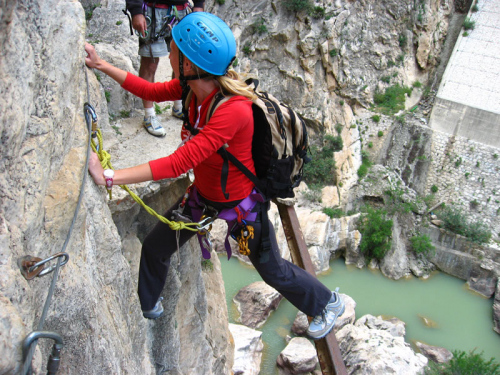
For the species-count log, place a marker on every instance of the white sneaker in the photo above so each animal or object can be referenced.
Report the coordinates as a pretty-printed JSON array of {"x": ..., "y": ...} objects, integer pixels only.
[
  {"x": 177, "y": 112},
  {"x": 153, "y": 126},
  {"x": 323, "y": 323}
]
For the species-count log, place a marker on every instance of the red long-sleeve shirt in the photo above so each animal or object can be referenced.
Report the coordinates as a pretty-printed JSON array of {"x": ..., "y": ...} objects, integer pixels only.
[{"x": 231, "y": 123}]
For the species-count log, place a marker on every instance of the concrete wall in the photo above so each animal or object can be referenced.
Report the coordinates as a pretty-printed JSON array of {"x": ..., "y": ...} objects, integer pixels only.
[{"x": 461, "y": 120}]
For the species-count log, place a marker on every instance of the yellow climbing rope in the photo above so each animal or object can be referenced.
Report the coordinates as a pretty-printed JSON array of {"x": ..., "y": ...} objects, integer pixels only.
[{"x": 105, "y": 159}]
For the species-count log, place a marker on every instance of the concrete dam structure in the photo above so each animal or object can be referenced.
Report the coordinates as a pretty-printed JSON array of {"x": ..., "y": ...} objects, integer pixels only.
[{"x": 468, "y": 100}]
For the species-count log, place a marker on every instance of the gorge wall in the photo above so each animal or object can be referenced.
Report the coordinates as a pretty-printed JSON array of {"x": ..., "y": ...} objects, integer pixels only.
[{"x": 95, "y": 307}]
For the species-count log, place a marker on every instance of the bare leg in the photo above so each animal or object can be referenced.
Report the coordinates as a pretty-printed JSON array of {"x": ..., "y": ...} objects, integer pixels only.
[{"x": 147, "y": 71}]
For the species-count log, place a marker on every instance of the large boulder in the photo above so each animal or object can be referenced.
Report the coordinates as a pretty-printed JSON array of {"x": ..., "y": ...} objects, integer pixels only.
[
  {"x": 434, "y": 353},
  {"x": 377, "y": 351},
  {"x": 255, "y": 302},
  {"x": 248, "y": 348},
  {"x": 299, "y": 357}
]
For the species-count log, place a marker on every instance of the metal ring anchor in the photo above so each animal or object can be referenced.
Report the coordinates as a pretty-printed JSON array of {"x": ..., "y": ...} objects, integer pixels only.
[{"x": 33, "y": 266}]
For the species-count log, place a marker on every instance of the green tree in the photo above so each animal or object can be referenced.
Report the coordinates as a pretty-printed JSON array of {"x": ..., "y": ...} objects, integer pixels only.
[{"x": 376, "y": 232}]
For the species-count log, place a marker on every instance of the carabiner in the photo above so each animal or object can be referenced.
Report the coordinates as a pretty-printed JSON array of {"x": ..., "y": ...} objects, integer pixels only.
[
  {"x": 146, "y": 32},
  {"x": 205, "y": 224},
  {"x": 90, "y": 111}
]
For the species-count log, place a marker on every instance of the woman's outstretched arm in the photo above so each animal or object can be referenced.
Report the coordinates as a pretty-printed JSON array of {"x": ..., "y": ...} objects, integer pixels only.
[{"x": 94, "y": 61}]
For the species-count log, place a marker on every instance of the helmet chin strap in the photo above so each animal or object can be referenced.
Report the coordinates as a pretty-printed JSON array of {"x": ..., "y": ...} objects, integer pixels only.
[{"x": 185, "y": 91}]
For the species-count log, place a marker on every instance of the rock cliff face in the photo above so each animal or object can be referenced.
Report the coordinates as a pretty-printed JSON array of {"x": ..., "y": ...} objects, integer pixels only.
[{"x": 95, "y": 306}]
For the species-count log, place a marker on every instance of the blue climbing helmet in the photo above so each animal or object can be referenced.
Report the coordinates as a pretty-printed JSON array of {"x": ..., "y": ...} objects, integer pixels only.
[{"x": 207, "y": 41}]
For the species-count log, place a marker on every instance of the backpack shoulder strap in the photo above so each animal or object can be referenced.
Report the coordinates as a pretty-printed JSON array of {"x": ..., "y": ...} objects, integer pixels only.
[{"x": 217, "y": 100}]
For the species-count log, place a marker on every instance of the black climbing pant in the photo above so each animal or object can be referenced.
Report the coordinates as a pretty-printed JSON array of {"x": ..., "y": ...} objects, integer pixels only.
[{"x": 303, "y": 290}]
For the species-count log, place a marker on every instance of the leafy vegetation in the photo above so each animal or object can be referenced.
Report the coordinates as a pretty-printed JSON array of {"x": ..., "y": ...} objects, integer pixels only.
[
  {"x": 322, "y": 166},
  {"x": 376, "y": 118},
  {"x": 397, "y": 201},
  {"x": 207, "y": 265},
  {"x": 464, "y": 363},
  {"x": 247, "y": 48},
  {"x": 454, "y": 220},
  {"x": 317, "y": 12},
  {"x": 259, "y": 26},
  {"x": 421, "y": 244},
  {"x": 469, "y": 24},
  {"x": 365, "y": 164},
  {"x": 392, "y": 100},
  {"x": 297, "y": 5},
  {"x": 434, "y": 189},
  {"x": 376, "y": 232},
  {"x": 333, "y": 213},
  {"x": 89, "y": 10},
  {"x": 403, "y": 39}
]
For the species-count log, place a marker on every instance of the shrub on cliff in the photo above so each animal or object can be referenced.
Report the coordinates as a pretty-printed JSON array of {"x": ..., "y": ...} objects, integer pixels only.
[
  {"x": 320, "y": 170},
  {"x": 464, "y": 363},
  {"x": 454, "y": 220},
  {"x": 376, "y": 231},
  {"x": 392, "y": 100}
]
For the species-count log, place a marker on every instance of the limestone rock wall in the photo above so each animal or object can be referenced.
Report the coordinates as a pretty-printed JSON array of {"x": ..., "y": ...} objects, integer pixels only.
[
  {"x": 329, "y": 67},
  {"x": 95, "y": 307}
]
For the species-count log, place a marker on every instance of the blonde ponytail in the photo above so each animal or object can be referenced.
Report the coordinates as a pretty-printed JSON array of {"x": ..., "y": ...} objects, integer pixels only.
[{"x": 232, "y": 84}]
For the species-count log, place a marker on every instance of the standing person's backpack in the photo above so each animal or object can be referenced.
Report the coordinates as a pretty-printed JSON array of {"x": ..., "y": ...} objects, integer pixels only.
[{"x": 279, "y": 146}]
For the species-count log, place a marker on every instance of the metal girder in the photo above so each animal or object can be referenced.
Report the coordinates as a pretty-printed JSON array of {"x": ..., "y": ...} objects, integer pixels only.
[{"x": 328, "y": 350}]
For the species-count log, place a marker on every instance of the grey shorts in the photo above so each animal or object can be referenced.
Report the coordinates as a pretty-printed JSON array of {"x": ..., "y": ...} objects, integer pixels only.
[{"x": 160, "y": 47}]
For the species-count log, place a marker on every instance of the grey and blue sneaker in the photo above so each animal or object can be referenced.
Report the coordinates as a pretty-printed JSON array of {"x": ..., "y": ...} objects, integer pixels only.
[
  {"x": 153, "y": 126},
  {"x": 177, "y": 112},
  {"x": 323, "y": 323},
  {"x": 155, "y": 312}
]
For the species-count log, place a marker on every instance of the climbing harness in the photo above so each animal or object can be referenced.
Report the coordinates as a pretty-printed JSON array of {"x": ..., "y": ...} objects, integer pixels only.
[{"x": 169, "y": 21}]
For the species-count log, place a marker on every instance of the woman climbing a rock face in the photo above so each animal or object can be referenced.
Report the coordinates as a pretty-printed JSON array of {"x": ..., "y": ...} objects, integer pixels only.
[{"x": 202, "y": 51}]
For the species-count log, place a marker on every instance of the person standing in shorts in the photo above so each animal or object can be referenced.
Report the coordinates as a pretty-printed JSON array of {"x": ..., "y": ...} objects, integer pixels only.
[{"x": 153, "y": 22}]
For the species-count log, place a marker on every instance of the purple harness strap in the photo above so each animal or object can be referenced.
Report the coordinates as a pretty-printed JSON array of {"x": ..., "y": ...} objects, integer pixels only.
[{"x": 229, "y": 215}]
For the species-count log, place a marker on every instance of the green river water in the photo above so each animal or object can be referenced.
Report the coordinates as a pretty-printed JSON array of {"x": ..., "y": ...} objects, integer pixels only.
[{"x": 463, "y": 318}]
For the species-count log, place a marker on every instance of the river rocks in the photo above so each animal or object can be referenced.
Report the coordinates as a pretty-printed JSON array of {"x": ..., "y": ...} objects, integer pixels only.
[
  {"x": 394, "y": 326},
  {"x": 300, "y": 324},
  {"x": 255, "y": 303},
  {"x": 435, "y": 353},
  {"x": 299, "y": 357},
  {"x": 374, "y": 351},
  {"x": 247, "y": 350}
]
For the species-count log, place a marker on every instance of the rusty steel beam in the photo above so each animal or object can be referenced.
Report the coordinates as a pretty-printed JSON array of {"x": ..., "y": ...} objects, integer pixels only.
[{"x": 328, "y": 350}]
